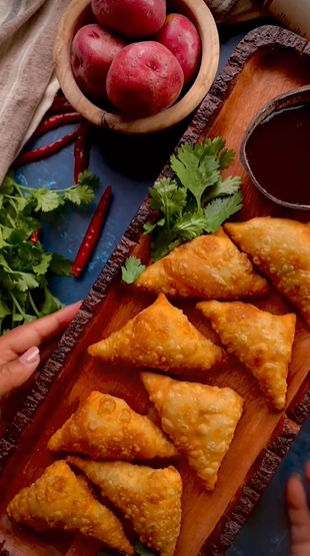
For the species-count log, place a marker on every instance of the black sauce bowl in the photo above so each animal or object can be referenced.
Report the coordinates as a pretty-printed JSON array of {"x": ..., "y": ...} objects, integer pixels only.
[{"x": 296, "y": 97}]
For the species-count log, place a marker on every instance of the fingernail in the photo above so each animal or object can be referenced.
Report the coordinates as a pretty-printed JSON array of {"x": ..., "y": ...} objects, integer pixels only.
[{"x": 30, "y": 356}]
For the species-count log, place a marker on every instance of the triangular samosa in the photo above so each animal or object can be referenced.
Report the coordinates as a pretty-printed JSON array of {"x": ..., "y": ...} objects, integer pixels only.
[
  {"x": 106, "y": 427},
  {"x": 262, "y": 341},
  {"x": 200, "y": 420},
  {"x": 160, "y": 337},
  {"x": 149, "y": 498},
  {"x": 60, "y": 500},
  {"x": 208, "y": 267},
  {"x": 280, "y": 248}
]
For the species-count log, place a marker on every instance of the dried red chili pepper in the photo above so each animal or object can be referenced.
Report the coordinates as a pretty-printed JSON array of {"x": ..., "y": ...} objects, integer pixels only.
[
  {"x": 93, "y": 232},
  {"x": 47, "y": 150},
  {"x": 35, "y": 236},
  {"x": 81, "y": 151},
  {"x": 61, "y": 108},
  {"x": 59, "y": 99},
  {"x": 56, "y": 121}
]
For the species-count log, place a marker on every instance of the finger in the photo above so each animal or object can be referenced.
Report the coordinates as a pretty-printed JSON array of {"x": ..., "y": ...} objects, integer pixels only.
[
  {"x": 34, "y": 333},
  {"x": 298, "y": 512},
  {"x": 16, "y": 372}
]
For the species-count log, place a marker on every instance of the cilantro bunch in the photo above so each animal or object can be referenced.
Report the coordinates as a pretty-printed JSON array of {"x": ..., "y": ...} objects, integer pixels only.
[
  {"x": 25, "y": 267},
  {"x": 196, "y": 200}
]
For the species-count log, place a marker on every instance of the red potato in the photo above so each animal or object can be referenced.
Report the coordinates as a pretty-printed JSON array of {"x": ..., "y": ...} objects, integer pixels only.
[
  {"x": 181, "y": 37},
  {"x": 134, "y": 19},
  {"x": 92, "y": 52},
  {"x": 144, "y": 79}
]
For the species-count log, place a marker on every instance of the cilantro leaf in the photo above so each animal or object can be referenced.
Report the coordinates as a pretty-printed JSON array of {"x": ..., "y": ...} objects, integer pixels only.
[
  {"x": 143, "y": 551},
  {"x": 47, "y": 200},
  {"x": 50, "y": 303},
  {"x": 25, "y": 281},
  {"x": 226, "y": 158},
  {"x": 60, "y": 265},
  {"x": 8, "y": 184},
  {"x": 43, "y": 265},
  {"x": 197, "y": 166},
  {"x": 167, "y": 197},
  {"x": 190, "y": 226},
  {"x": 149, "y": 228},
  {"x": 4, "y": 309},
  {"x": 222, "y": 188},
  {"x": 80, "y": 195},
  {"x": 89, "y": 179},
  {"x": 220, "y": 210},
  {"x": 140, "y": 549},
  {"x": 131, "y": 270}
]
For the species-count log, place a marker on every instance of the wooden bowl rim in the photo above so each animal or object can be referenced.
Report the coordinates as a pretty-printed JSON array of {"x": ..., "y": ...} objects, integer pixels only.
[{"x": 207, "y": 29}]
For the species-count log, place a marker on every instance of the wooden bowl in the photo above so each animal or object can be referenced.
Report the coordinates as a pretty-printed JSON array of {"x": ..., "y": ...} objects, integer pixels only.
[{"x": 79, "y": 14}]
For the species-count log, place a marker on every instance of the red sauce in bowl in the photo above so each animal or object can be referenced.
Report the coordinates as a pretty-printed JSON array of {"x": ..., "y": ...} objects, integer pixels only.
[{"x": 278, "y": 152}]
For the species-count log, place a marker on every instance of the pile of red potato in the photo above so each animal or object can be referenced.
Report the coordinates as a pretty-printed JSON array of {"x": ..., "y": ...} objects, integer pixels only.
[{"x": 136, "y": 56}]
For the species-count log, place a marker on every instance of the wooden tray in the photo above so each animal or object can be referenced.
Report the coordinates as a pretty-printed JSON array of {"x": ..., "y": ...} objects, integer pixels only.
[{"x": 267, "y": 62}]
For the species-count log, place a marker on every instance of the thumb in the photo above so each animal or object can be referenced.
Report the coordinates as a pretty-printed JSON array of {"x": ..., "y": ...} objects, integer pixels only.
[{"x": 16, "y": 372}]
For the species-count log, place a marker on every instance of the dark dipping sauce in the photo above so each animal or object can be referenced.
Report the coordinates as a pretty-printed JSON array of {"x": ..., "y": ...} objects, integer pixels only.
[{"x": 278, "y": 152}]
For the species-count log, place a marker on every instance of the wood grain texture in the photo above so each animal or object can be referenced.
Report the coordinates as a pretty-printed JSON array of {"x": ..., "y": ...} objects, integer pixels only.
[{"x": 265, "y": 64}]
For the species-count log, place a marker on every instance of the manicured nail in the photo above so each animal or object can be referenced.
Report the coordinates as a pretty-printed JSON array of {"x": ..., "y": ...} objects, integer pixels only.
[{"x": 30, "y": 356}]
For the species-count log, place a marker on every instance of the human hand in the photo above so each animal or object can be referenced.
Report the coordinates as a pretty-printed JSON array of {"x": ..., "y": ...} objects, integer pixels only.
[
  {"x": 298, "y": 514},
  {"x": 19, "y": 349}
]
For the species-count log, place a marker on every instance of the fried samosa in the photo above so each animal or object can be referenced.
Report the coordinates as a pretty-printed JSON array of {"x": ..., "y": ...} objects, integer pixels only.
[
  {"x": 106, "y": 427},
  {"x": 280, "y": 248},
  {"x": 208, "y": 267},
  {"x": 262, "y": 341},
  {"x": 200, "y": 420},
  {"x": 149, "y": 498},
  {"x": 60, "y": 500},
  {"x": 160, "y": 337}
]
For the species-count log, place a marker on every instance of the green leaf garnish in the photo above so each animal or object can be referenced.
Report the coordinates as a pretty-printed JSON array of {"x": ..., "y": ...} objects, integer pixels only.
[
  {"x": 25, "y": 267},
  {"x": 131, "y": 270},
  {"x": 196, "y": 200}
]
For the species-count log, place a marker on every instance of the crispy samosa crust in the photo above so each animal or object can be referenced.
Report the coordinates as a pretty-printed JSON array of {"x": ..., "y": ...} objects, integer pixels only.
[
  {"x": 60, "y": 500},
  {"x": 280, "y": 248},
  {"x": 160, "y": 337},
  {"x": 208, "y": 267},
  {"x": 262, "y": 341},
  {"x": 106, "y": 427},
  {"x": 200, "y": 420},
  {"x": 149, "y": 498}
]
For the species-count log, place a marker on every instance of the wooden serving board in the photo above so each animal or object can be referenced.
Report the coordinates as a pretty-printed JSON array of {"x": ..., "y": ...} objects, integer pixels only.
[{"x": 268, "y": 62}]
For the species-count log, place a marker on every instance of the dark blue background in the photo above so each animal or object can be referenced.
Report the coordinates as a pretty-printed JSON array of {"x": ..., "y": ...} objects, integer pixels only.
[{"x": 117, "y": 161}]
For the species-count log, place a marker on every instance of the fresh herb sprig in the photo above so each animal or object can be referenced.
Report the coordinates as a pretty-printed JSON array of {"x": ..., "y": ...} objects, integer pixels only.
[
  {"x": 140, "y": 550},
  {"x": 196, "y": 200},
  {"x": 25, "y": 267}
]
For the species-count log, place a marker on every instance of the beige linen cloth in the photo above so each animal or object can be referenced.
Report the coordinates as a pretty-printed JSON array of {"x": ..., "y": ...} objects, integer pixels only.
[{"x": 27, "y": 81}]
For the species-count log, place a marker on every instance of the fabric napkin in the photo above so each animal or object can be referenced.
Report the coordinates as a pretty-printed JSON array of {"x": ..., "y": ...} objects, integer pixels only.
[{"x": 27, "y": 80}]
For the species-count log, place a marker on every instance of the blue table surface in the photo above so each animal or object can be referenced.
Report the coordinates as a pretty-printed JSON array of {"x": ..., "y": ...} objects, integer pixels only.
[{"x": 117, "y": 161}]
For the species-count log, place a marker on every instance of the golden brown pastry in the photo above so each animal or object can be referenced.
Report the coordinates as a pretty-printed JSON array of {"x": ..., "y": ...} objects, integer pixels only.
[
  {"x": 106, "y": 427},
  {"x": 160, "y": 337},
  {"x": 149, "y": 498},
  {"x": 281, "y": 249},
  {"x": 208, "y": 267},
  {"x": 200, "y": 420},
  {"x": 263, "y": 342},
  {"x": 60, "y": 500}
]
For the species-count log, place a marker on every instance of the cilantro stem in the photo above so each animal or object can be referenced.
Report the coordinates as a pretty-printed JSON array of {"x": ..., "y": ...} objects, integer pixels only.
[
  {"x": 17, "y": 304},
  {"x": 32, "y": 303}
]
